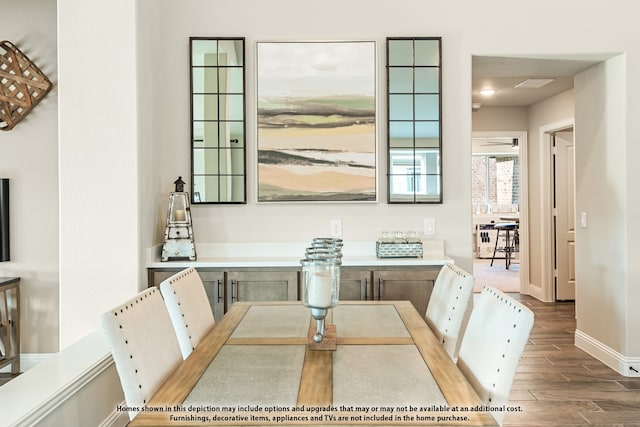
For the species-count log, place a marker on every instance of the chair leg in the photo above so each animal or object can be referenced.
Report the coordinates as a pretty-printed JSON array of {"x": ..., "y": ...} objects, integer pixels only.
[
  {"x": 495, "y": 247},
  {"x": 507, "y": 251},
  {"x": 5, "y": 327}
]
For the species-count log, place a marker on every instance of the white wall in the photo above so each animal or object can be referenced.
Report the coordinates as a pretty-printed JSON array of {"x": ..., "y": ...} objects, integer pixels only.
[
  {"x": 491, "y": 119},
  {"x": 99, "y": 171},
  {"x": 29, "y": 158},
  {"x": 297, "y": 222},
  {"x": 603, "y": 192}
]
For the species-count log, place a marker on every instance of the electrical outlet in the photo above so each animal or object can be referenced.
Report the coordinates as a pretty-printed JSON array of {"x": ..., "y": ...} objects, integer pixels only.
[
  {"x": 336, "y": 228},
  {"x": 429, "y": 226}
]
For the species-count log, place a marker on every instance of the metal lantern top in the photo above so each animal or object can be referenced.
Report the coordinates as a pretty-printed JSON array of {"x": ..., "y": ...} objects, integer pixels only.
[{"x": 179, "y": 185}]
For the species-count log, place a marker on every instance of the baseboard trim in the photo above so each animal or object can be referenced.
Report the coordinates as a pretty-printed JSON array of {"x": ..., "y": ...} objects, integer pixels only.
[
  {"x": 116, "y": 418},
  {"x": 627, "y": 366}
]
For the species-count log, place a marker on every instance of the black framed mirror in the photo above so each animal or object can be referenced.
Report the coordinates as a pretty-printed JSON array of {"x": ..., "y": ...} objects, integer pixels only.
[
  {"x": 414, "y": 125},
  {"x": 218, "y": 111}
]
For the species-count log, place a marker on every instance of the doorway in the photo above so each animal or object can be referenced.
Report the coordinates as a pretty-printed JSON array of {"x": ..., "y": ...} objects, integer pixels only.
[
  {"x": 563, "y": 214},
  {"x": 519, "y": 87},
  {"x": 499, "y": 195}
]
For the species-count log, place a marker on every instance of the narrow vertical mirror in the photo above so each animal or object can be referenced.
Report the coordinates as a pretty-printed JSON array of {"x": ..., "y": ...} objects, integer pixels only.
[
  {"x": 414, "y": 120},
  {"x": 218, "y": 156}
]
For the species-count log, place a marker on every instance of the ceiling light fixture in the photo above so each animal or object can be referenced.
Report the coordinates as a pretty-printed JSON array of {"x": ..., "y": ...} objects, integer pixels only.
[{"x": 487, "y": 92}]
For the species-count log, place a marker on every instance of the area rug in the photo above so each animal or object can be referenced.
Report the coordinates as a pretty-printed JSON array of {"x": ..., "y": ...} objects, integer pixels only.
[{"x": 497, "y": 275}]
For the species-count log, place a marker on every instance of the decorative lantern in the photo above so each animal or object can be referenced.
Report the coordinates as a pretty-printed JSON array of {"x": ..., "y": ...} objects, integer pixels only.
[
  {"x": 320, "y": 290},
  {"x": 178, "y": 235}
]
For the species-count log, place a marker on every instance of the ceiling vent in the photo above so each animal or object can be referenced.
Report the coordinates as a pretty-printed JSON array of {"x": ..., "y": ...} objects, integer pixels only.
[{"x": 533, "y": 83}]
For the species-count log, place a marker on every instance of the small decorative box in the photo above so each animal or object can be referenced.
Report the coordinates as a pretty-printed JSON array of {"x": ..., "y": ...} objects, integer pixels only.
[{"x": 399, "y": 249}]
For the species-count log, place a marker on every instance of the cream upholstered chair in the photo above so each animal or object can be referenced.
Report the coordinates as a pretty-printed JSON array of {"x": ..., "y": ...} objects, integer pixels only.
[
  {"x": 450, "y": 306},
  {"x": 189, "y": 309},
  {"x": 492, "y": 345},
  {"x": 143, "y": 346}
]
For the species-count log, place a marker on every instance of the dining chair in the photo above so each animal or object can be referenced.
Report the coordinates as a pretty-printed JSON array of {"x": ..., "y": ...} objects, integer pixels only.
[
  {"x": 143, "y": 345},
  {"x": 450, "y": 306},
  {"x": 189, "y": 308},
  {"x": 492, "y": 346}
]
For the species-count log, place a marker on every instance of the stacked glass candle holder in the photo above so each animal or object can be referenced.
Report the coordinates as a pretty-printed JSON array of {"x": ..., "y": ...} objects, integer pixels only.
[{"x": 321, "y": 279}]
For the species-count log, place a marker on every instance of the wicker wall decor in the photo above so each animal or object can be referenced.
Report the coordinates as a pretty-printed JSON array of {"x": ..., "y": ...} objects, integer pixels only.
[{"x": 22, "y": 85}]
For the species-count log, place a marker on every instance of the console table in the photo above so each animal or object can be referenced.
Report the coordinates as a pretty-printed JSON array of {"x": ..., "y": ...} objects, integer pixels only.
[
  {"x": 234, "y": 272},
  {"x": 10, "y": 323}
]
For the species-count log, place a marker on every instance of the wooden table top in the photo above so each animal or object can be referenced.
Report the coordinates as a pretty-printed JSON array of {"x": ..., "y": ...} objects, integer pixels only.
[{"x": 254, "y": 368}]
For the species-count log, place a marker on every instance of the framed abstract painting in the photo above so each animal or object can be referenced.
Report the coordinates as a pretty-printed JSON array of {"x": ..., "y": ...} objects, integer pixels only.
[{"x": 316, "y": 132}]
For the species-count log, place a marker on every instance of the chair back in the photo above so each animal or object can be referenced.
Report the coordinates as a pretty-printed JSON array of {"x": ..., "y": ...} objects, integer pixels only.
[
  {"x": 188, "y": 306},
  {"x": 143, "y": 345},
  {"x": 492, "y": 346},
  {"x": 450, "y": 306}
]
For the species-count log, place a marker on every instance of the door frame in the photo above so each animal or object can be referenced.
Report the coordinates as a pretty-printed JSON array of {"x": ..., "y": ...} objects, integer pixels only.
[
  {"x": 547, "y": 235},
  {"x": 523, "y": 228}
]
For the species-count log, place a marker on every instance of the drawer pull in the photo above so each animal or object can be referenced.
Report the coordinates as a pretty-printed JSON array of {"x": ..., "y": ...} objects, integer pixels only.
[{"x": 233, "y": 296}]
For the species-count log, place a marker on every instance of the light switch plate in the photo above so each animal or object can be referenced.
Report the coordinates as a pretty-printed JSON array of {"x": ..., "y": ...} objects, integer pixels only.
[
  {"x": 583, "y": 219},
  {"x": 336, "y": 228},
  {"x": 429, "y": 226}
]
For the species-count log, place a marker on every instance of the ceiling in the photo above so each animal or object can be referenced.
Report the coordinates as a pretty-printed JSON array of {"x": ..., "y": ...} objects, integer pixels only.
[{"x": 504, "y": 73}]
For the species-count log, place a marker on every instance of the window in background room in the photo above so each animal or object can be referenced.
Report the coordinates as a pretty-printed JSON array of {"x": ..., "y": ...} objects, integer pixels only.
[{"x": 495, "y": 183}]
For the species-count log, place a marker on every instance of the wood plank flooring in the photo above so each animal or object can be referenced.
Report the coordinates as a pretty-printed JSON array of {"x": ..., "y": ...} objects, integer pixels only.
[{"x": 559, "y": 385}]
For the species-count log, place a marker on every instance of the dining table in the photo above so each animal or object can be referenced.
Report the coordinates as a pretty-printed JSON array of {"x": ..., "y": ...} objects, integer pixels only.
[{"x": 259, "y": 366}]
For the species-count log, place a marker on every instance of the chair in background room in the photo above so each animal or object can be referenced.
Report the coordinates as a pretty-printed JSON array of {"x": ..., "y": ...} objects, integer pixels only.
[
  {"x": 188, "y": 307},
  {"x": 511, "y": 242},
  {"x": 143, "y": 345},
  {"x": 450, "y": 306},
  {"x": 492, "y": 346}
]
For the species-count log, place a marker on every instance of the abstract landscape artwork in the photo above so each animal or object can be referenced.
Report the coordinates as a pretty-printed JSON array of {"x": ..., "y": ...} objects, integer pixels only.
[{"x": 316, "y": 121}]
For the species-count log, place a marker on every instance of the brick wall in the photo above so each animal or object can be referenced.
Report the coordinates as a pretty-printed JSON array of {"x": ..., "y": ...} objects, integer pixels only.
[{"x": 495, "y": 180}]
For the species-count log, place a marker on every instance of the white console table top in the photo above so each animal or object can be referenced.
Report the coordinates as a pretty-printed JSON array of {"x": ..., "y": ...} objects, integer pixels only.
[{"x": 289, "y": 254}]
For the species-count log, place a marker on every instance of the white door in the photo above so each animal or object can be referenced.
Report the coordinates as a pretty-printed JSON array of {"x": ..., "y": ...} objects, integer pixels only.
[{"x": 564, "y": 202}]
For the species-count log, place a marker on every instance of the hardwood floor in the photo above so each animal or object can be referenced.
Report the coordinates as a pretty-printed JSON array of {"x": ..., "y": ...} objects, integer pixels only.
[{"x": 559, "y": 385}]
